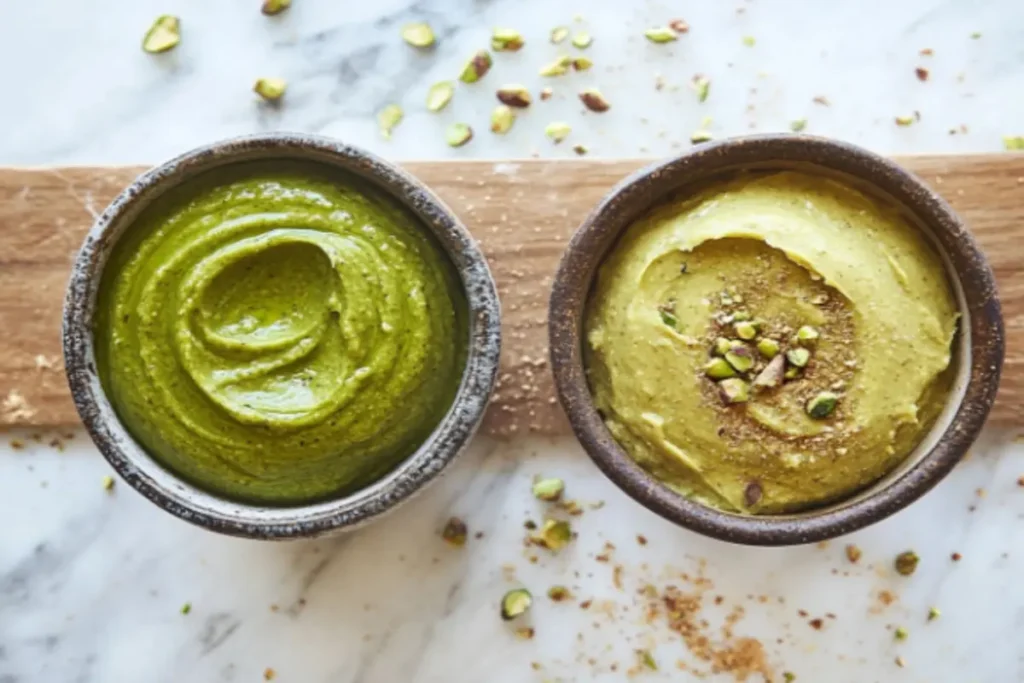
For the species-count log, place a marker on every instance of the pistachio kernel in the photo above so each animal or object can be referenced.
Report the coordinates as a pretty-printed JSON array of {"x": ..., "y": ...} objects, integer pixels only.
[
  {"x": 788, "y": 676},
  {"x": 717, "y": 368},
  {"x": 108, "y": 483},
  {"x": 455, "y": 532},
  {"x": 514, "y": 96},
  {"x": 559, "y": 593},
  {"x": 272, "y": 7},
  {"x": 458, "y": 134},
  {"x": 807, "y": 335},
  {"x": 702, "y": 86},
  {"x": 906, "y": 563},
  {"x": 734, "y": 390},
  {"x": 559, "y": 67},
  {"x": 740, "y": 316},
  {"x": 797, "y": 125},
  {"x": 661, "y": 34},
  {"x": 580, "y": 150},
  {"x": 582, "y": 40},
  {"x": 792, "y": 373},
  {"x": 772, "y": 375},
  {"x": 506, "y": 40},
  {"x": 548, "y": 490},
  {"x": 439, "y": 95},
  {"x": 933, "y": 613},
  {"x": 553, "y": 535},
  {"x": 186, "y": 608},
  {"x": 559, "y": 33},
  {"x": 546, "y": 93},
  {"x": 798, "y": 357},
  {"x": 904, "y": 120},
  {"x": 822, "y": 405},
  {"x": 1013, "y": 143},
  {"x": 722, "y": 346},
  {"x": 581, "y": 63},
  {"x": 699, "y": 136},
  {"x": 389, "y": 117},
  {"x": 594, "y": 101},
  {"x": 745, "y": 329},
  {"x": 502, "y": 119},
  {"x": 900, "y": 633},
  {"x": 558, "y": 131},
  {"x": 477, "y": 67},
  {"x": 163, "y": 35},
  {"x": 679, "y": 26},
  {"x": 740, "y": 358},
  {"x": 749, "y": 41},
  {"x": 418, "y": 35},
  {"x": 769, "y": 348},
  {"x": 515, "y": 603},
  {"x": 270, "y": 89}
]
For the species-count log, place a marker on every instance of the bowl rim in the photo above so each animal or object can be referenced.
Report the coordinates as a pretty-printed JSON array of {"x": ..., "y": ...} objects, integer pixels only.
[
  {"x": 644, "y": 189},
  {"x": 227, "y": 516}
]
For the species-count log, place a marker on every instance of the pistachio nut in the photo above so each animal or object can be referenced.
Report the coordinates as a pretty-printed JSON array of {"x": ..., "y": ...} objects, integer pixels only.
[
  {"x": 559, "y": 33},
  {"x": 661, "y": 34},
  {"x": 745, "y": 329},
  {"x": 822, "y": 405},
  {"x": 769, "y": 348},
  {"x": 515, "y": 603},
  {"x": 734, "y": 390},
  {"x": 270, "y": 89},
  {"x": 807, "y": 335},
  {"x": 439, "y": 95},
  {"x": 558, "y": 131},
  {"x": 514, "y": 96},
  {"x": 548, "y": 489},
  {"x": 458, "y": 134},
  {"x": 900, "y": 633},
  {"x": 798, "y": 357},
  {"x": 669, "y": 318},
  {"x": 163, "y": 35},
  {"x": 389, "y": 117},
  {"x": 559, "y": 67},
  {"x": 477, "y": 67},
  {"x": 1013, "y": 143},
  {"x": 749, "y": 41},
  {"x": 717, "y": 368},
  {"x": 418, "y": 35},
  {"x": 594, "y": 101},
  {"x": 582, "y": 40},
  {"x": 934, "y": 613},
  {"x": 647, "y": 659},
  {"x": 272, "y": 7},
  {"x": 559, "y": 593},
  {"x": 792, "y": 372},
  {"x": 502, "y": 119},
  {"x": 740, "y": 358},
  {"x": 904, "y": 120},
  {"x": 722, "y": 346},
  {"x": 581, "y": 63},
  {"x": 506, "y": 40},
  {"x": 679, "y": 26}
]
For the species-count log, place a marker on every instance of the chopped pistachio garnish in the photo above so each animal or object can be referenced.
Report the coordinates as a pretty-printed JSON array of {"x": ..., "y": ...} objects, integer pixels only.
[
  {"x": 418, "y": 35},
  {"x": 559, "y": 593},
  {"x": 163, "y": 35},
  {"x": 506, "y": 40},
  {"x": 477, "y": 67},
  {"x": 788, "y": 676},
  {"x": 108, "y": 483},
  {"x": 661, "y": 34},
  {"x": 545, "y": 93},
  {"x": 525, "y": 632},
  {"x": 1013, "y": 143},
  {"x": 647, "y": 659},
  {"x": 502, "y": 119},
  {"x": 900, "y": 633},
  {"x": 582, "y": 40},
  {"x": 272, "y": 7},
  {"x": 933, "y": 613},
  {"x": 740, "y": 358},
  {"x": 904, "y": 120},
  {"x": 717, "y": 368},
  {"x": 186, "y": 608},
  {"x": 822, "y": 405},
  {"x": 699, "y": 136},
  {"x": 740, "y": 316},
  {"x": 797, "y": 125},
  {"x": 580, "y": 149},
  {"x": 548, "y": 489},
  {"x": 853, "y": 553},
  {"x": 389, "y": 117},
  {"x": 734, "y": 390},
  {"x": 270, "y": 89},
  {"x": 514, "y": 95},
  {"x": 792, "y": 372},
  {"x": 772, "y": 375},
  {"x": 745, "y": 330},
  {"x": 515, "y": 603},
  {"x": 702, "y": 85},
  {"x": 798, "y": 357},
  {"x": 593, "y": 100},
  {"x": 558, "y": 131},
  {"x": 769, "y": 348},
  {"x": 559, "y": 67},
  {"x": 906, "y": 563},
  {"x": 455, "y": 532},
  {"x": 581, "y": 63},
  {"x": 559, "y": 33},
  {"x": 668, "y": 318},
  {"x": 722, "y": 346},
  {"x": 554, "y": 535},
  {"x": 439, "y": 95},
  {"x": 807, "y": 335},
  {"x": 749, "y": 41},
  {"x": 458, "y": 134}
]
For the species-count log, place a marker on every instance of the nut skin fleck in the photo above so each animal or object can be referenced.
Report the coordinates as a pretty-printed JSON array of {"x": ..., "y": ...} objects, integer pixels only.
[
  {"x": 163, "y": 35},
  {"x": 270, "y": 89},
  {"x": 580, "y": 150},
  {"x": 458, "y": 134},
  {"x": 455, "y": 532},
  {"x": 514, "y": 96},
  {"x": 515, "y": 602},
  {"x": 906, "y": 563},
  {"x": 546, "y": 93},
  {"x": 272, "y": 7},
  {"x": 418, "y": 35},
  {"x": 477, "y": 67},
  {"x": 921, "y": 73},
  {"x": 108, "y": 483}
]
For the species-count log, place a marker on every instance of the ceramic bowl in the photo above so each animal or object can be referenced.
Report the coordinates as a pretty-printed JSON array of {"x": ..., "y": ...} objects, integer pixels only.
[
  {"x": 195, "y": 505},
  {"x": 978, "y": 357}
]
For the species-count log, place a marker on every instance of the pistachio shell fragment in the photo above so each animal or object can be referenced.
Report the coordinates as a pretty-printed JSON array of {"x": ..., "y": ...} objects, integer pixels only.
[
  {"x": 418, "y": 35},
  {"x": 734, "y": 390},
  {"x": 548, "y": 489},
  {"x": 506, "y": 40},
  {"x": 807, "y": 335},
  {"x": 559, "y": 67},
  {"x": 582, "y": 40},
  {"x": 772, "y": 375},
  {"x": 559, "y": 33},
  {"x": 594, "y": 101},
  {"x": 514, "y": 96},
  {"x": 389, "y": 117},
  {"x": 554, "y": 535},
  {"x": 740, "y": 358},
  {"x": 272, "y": 7},
  {"x": 798, "y": 357},
  {"x": 477, "y": 67},
  {"x": 581, "y": 63},
  {"x": 906, "y": 563},
  {"x": 458, "y": 134},
  {"x": 769, "y": 348},
  {"x": 702, "y": 86},
  {"x": 439, "y": 95},
  {"x": 558, "y": 131},
  {"x": 745, "y": 330},
  {"x": 661, "y": 34},
  {"x": 163, "y": 35},
  {"x": 699, "y": 136},
  {"x": 270, "y": 89},
  {"x": 502, "y": 119},
  {"x": 822, "y": 405},
  {"x": 717, "y": 368},
  {"x": 515, "y": 603},
  {"x": 798, "y": 125}
]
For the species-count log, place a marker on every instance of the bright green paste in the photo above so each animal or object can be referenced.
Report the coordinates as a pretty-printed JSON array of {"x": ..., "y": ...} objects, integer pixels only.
[{"x": 279, "y": 335}]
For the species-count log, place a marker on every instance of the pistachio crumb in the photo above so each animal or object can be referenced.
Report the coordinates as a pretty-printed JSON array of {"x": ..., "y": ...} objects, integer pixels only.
[
  {"x": 901, "y": 663},
  {"x": 163, "y": 35},
  {"x": 272, "y": 7},
  {"x": 476, "y": 67},
  {"x": 553, "y": 535},
  {"x": 702, "y": 86},
  {"x": 455, "y": 532},
  {"x": 525, "y": 632},
  {"x": 807, "y": 335},
  {"x": 502, "y": 119},
  {"x": 822, "y": 405},
  {"x": 798, "y": 357},
  {"x": 559, "y": 593},
  {"x": 108, "y": 483},
  {"x": 647, "y": 659},
  {"x": 717, "y": 368},
  {"x": 557, "y": 131},
  {"x": 548, "y": 489},
  {"x": 388, "y": 118},
  {"x": 734, "y": 390},
  {"x": 798, "y": 125},
  {"x": 594, "y": 101},
  {"x": 186, "y": 608},
  {"x": 515, "y": 603},
  {"x": 418, "y": 35},
  {"x": 559, "y": 67},
  {"x": 270, "y": 89},
  {"x": 545, "y": 93},
  {"x": 506, "y": 40},
  {"x": 904, "y": 120},
  {"x": 921, "y": 73},
  {"x": 581, "y": 63},
  {"x": 1013, "y": 143},
  {"x": 661, "y": 34},
  {"x": 769, "y": 348},
  {"x": 853, "y": 553},
  {"x": 559, "y": 33},
  {"x": 580, "y": 150},
  {"x": 458, "y": 134},
  {"x": 439, "y": 95},
  {"x": 514, "y": 95},
  {"x": 933, "y": 613},
  {"x": 582, "y": 40},
  {"x": 906, "y": 563},
  {"x": 900, "y": 633},
  {"x": 749, "y": 41},
  {"x": 269, "y": 674},
  {"x": 699, "y": 136},
  {"x": 788, "y": 676}
]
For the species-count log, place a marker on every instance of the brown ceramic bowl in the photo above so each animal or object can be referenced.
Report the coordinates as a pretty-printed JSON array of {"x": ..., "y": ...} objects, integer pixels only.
[
  {"x": 196, "y": 505},
  {"x": 978, "y": 352}
]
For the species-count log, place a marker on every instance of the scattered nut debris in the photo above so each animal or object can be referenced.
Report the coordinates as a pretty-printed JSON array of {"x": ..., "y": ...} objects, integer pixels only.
[
  {"x": 641, "y": 539},
  {"x": 439, "y": 95},
  {"x": 525, "y": 632},
  {"x": 661, "y": 34},
  {"x": 477, "y": 67},
  {"x": 906, "y": 563},
  {"x": 418, "y": 35},
  {"x": 1013, "y": 143},
  {"x": 594, "y": 101},
  {"x": 559, "y": 67},
  {"x": 545, "y": 93},
  {"x": 581, "y": 64},
  {"x": 458, "y": 134},
  {"x": 557, "y": 131},
  {"x": 502, "y": 119},
  {"x": 270, "y": 89},
  {"x": 698, "y": 136},
  {"x": 901, "y": 663},
  {"x": 272, "y": 7},
  {"x": 956, "y": 557},
  {"x": 269, "y": 674},
  {"x": 926, "y": 52},
  {"x": 853, "y": 553},
  {"x": 108, "y": 483},
  {"x": 163, "y": 35},
  {"x": 581, "y": 150},
  {"x": 186, "y": 608},
  {"x": 455, "y": 532},
  {"x": 822, "y": 100},
  {"x": 933, "y": 613},
  {"x": 702, "y": 86},
  {"x": 515, "y": 603},
  {"x": 559, "y": 593},
  {"x": 553, "y": 535},
  {"x": 559, "y": 33},
  {"x": 679, "y": 26},
  {"x": 548, "y": 489},
  {"x": 647, "y": 659},
  {"x": 900, "y": 633},
  {"x": 506, "y": 40},
  {"x": 798, "y": 125},
  {"x": 514, "y": 95},
  {"x": 582, "y": 40},
  {"x": 921, "y": 73},
  {"x": 389, "y": 117},
  {"x": 749, "y": 41}
]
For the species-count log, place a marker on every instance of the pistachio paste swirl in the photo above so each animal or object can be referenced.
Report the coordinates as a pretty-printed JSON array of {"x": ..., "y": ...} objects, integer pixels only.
[{"x": 279, "y": 335}]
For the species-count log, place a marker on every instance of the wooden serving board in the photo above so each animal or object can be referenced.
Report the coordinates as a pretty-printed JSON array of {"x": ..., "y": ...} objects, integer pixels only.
[{"x": 521, "y": 212}]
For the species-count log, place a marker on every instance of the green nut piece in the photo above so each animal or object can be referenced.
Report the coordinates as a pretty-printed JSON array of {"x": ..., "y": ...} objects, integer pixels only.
[
  {"x": 272, "y": 7},
  {"x": 502, "y": 119},
  {"x": 559, "y": 67},
  {"x": 792, "y": 372},
  {"x": 822, "y": 405},
  {"x": 797, "y": 125},
  {"x": 558, "y": 131},
  {"x": 702, "y": 86},
  {"x": 582, "y": 40},
  {"x": 163, "y": 35},
  {"x": 934, "y": 613},
  {"x": 734, "y": 390},
  {"x": 515, "y": 603},
  {"x": 699, "y": 136},
  {"x": 506, "y": 40},
  {"x": 554, "y": 535},
  {"x": 458, "y": 134},
  {"x": 798, "y": 357},
  {"x": 769, "y": 348},
  {"x": 749, "y": 41},
  {"x": 740, "y": 316},
  {"x": 807, "y": 335},
  {"x": 514, "y": 96},
  {"x": 900, "y": 633},
  {"x": 745, "y": 330},
  {"x": 661, "y": 34},
  {"x": 594, "y": 101},
  {"x": 389, "y": 117},
  {"x": 906, "y": 563},
  {"x": 717, "y": 368},
  {"x": 559, "y": 33},
  {"x": 439, "y": 95},
  {"x": 455, "y": 532},
  {"x": 548, "y": 489},
  {"x": 740, "y": 358},
  {"x": 418, "y": 35},
  {"x": 581, "y": 63},
  {"x": 270, "y": 89},
  {"x": 722, "y": 346},
  {"x": 477, "y": 67}
]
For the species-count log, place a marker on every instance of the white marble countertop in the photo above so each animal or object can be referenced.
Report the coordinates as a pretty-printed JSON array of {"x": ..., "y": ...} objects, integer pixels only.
[{"x": 92, "y": 583}]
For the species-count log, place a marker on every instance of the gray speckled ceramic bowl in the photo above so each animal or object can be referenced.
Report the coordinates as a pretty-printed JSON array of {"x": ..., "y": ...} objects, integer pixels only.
[
  {"x": 978, "y": 357},
  {"x": 263, "y": 522}
]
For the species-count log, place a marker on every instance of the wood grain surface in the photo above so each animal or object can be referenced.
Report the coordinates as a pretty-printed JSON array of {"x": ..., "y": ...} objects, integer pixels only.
[{"x": 522, "y": 213}]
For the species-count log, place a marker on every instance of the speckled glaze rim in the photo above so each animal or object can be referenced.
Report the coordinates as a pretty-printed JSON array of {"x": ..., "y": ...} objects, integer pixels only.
[
  {"x": 195, "y": 505},
  {"x": 981, "y": 334}
]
